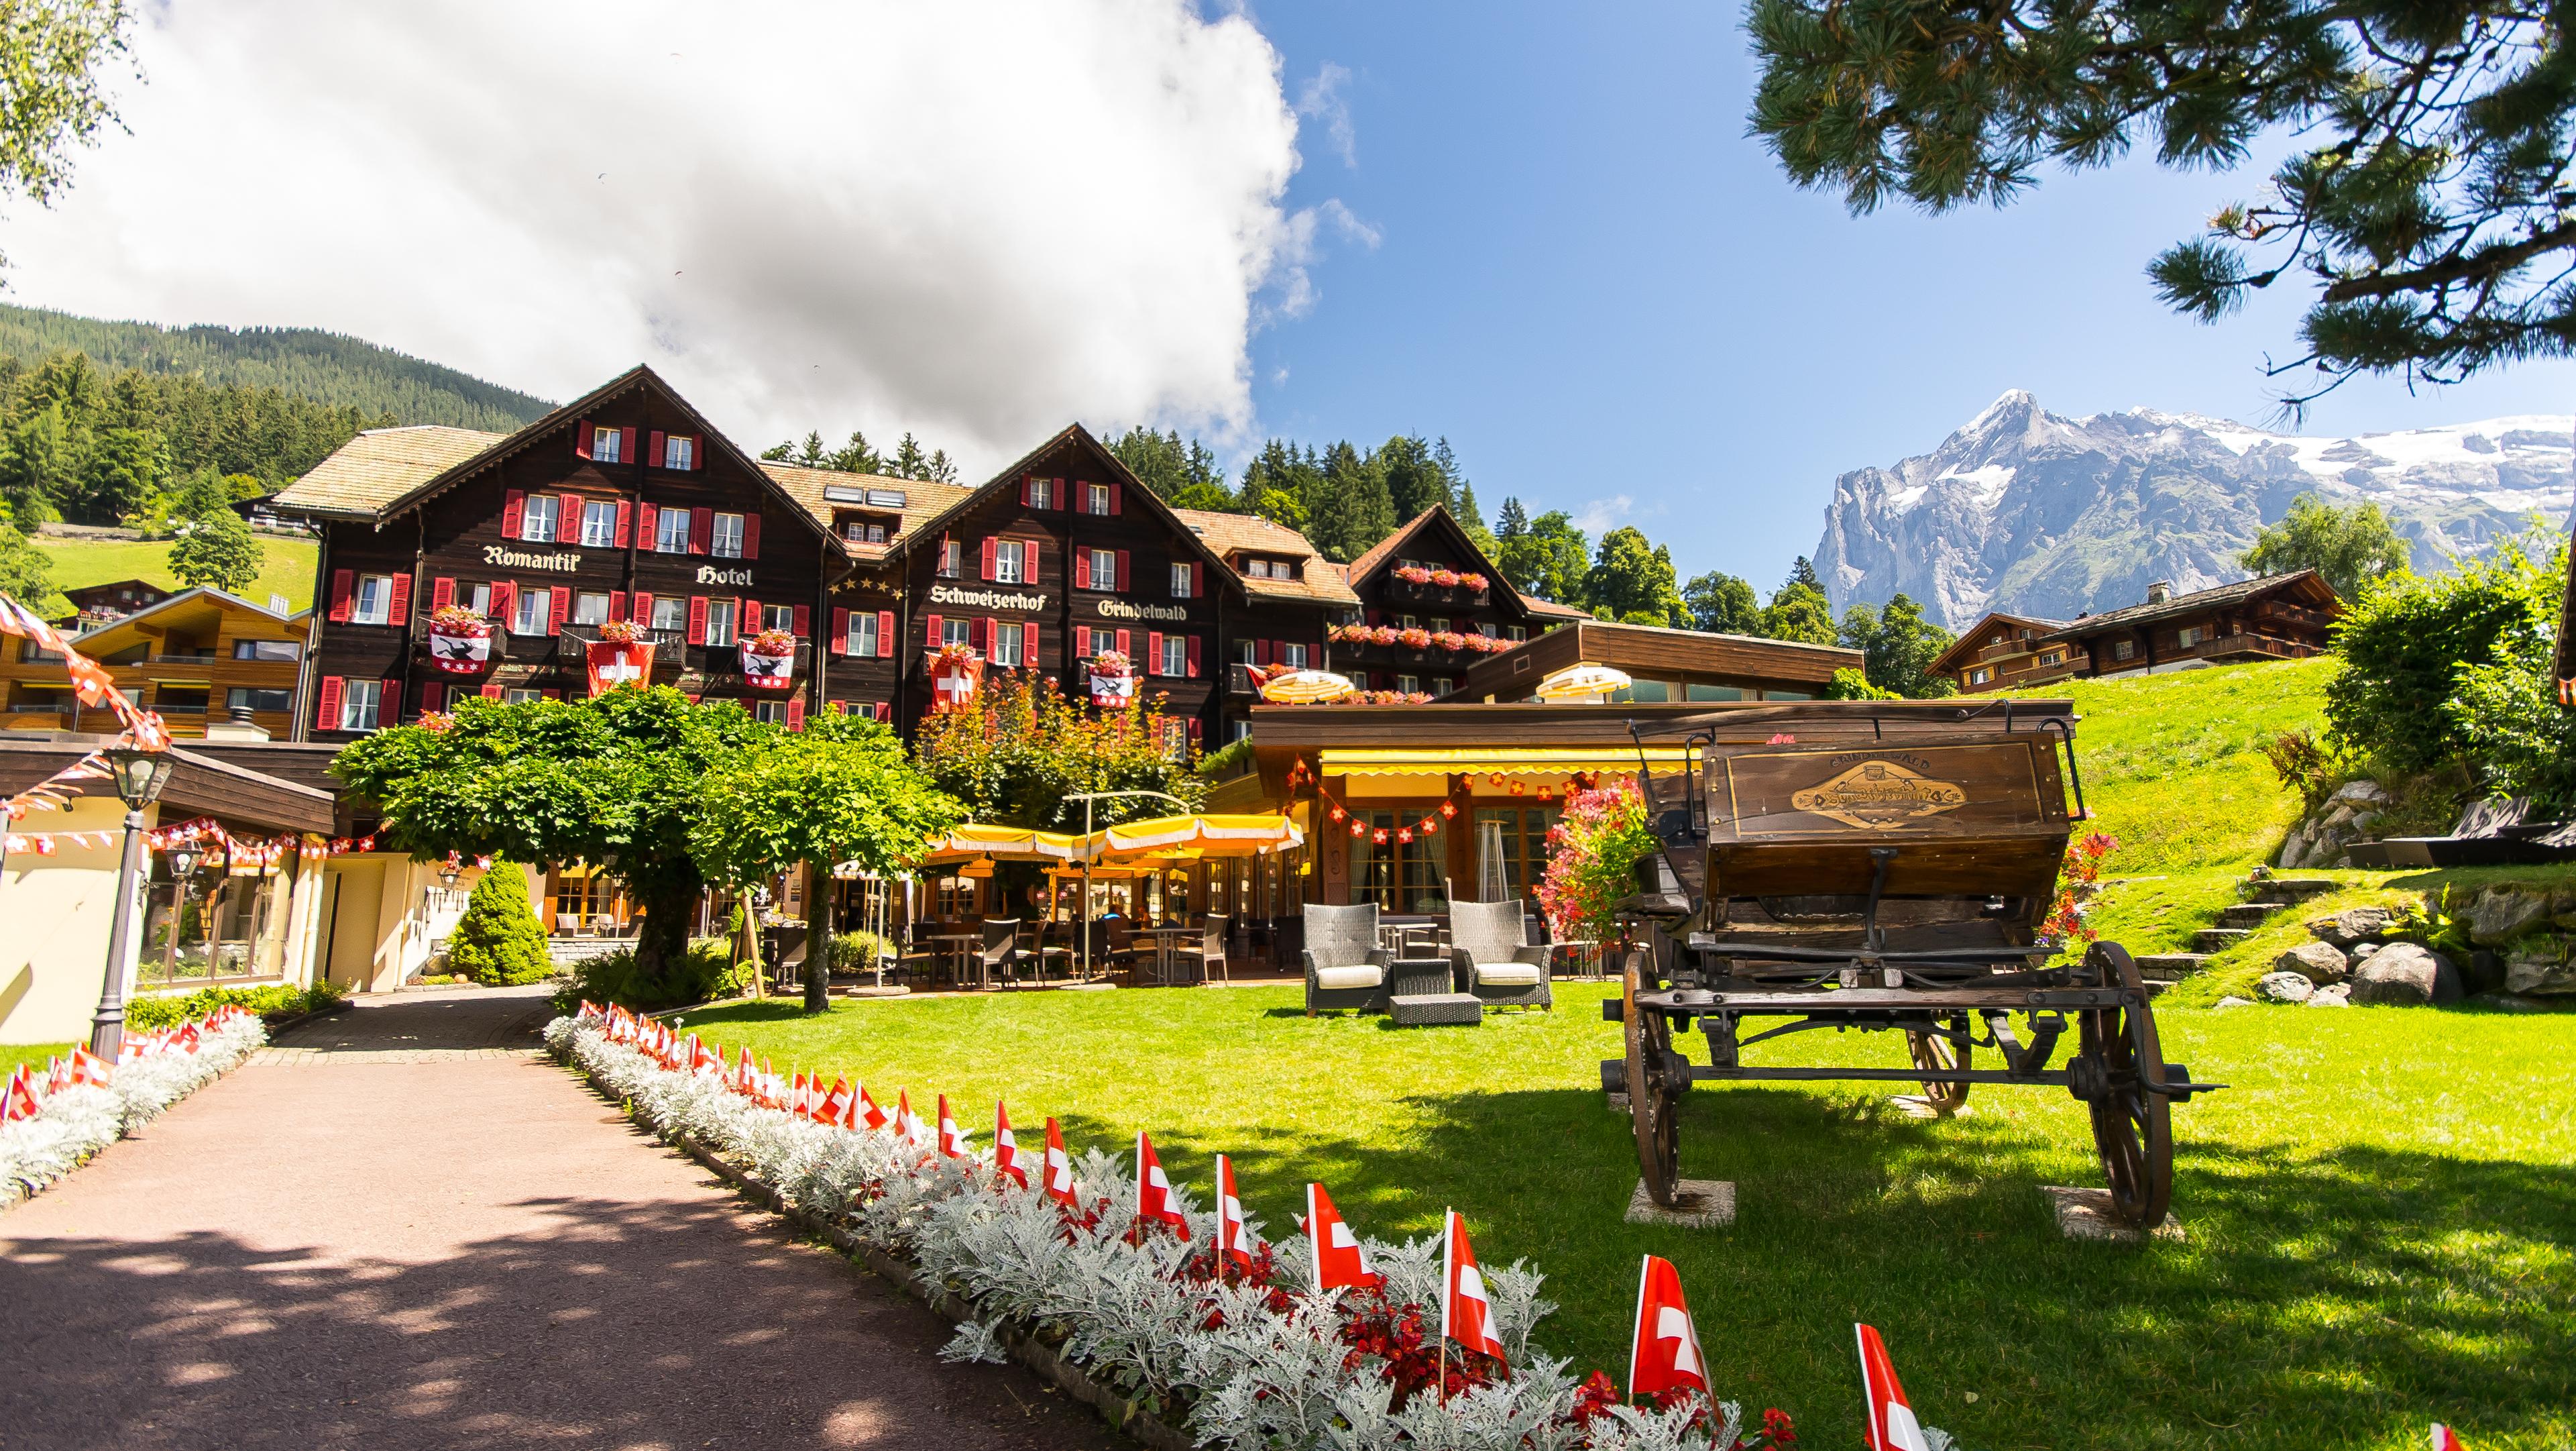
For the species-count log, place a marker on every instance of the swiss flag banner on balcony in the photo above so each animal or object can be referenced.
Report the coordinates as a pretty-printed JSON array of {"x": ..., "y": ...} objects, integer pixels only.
[
  {"x": 619, "y": 662},
  {"x": 765, "y": 664},
  {"x": 1892, "y": 1426},
  {"x": 1154, "y": 1191},
  {"x": 1663, "y": 1355},
  {"x": 1113, "y": 680},
  {"x": 1058, "y": 1167},
  {"x": 1339, "y": 1261}
]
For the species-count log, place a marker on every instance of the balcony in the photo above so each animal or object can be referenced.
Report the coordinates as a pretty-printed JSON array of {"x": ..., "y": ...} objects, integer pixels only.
[
  {"x": 1238, "y": 681},
  {"x": 574, "y": 641},
  {"x": 2274, "y": 611},
  {"x": 2005, "y": 651},
  {"x": 1398, "y": 589}
]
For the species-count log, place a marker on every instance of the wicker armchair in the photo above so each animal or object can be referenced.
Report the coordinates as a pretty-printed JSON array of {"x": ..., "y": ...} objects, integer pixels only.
[
  {"x": 1493, "y": 960},
  {"x": 1345, "y": 968}
]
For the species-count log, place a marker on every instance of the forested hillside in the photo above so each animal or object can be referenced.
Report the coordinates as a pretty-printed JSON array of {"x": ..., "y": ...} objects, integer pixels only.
[{"x": 306, "y": 363}]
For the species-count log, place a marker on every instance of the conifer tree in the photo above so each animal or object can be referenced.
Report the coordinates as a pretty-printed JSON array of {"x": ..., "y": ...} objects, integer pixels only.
[{"x": 497, "y": 941}]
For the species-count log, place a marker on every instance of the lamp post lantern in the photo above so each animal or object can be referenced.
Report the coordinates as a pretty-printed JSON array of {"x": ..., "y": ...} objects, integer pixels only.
[{"x": 139, "y": 775}]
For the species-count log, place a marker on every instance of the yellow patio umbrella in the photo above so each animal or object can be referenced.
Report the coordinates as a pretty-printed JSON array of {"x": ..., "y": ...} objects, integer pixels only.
[
  {"x": 1590, "y": 684},
  {"x": 1305, "y": 687},
  {"x": 1205, "y": 834},
  {"x": 1003, "y": 843}
]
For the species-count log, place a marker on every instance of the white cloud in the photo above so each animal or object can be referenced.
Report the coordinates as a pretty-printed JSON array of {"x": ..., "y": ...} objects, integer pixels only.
[
  {"x": 1322, "y": 99},
  {"x": 1597, "y": 515},
  {"x": 977, "y": 221}
]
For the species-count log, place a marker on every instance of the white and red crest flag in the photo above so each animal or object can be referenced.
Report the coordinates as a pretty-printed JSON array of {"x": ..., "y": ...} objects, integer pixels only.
[
  {"x": 1466, "y": 1315},
  {"x": 1664, "y": 1353},
  {"x": 952, "y": 1144},
  {"x": 18, "y": 1100},
  {"x": 1232, "y": 1242},
  {"x": 1154, "y": 1190},
  {"x": 2443, "y": 1440},
  {"x": 1339, "y": 1261},
  {"x": 836, "y": 1104},
  {"x": 1058, "y": 1167},
  {"x": 1892, "y": 1426},
  {"x": 1006, "y": 1149}
]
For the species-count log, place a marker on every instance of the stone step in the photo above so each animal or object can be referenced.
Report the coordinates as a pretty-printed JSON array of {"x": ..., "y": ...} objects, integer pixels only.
[
  {"x": 2249, "y": 914},
  {"x": 2171, "y": 966},
  {"x": 2290, "y": 889},
  {"x": 2218, "y": 939}
]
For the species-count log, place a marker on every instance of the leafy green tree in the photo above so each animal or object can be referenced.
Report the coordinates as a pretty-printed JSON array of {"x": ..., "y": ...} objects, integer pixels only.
[
  {"x": 1472, "y": 519},
  {"x": 1899, "y": 646},
  {"x": 51, "y": 95},
  {"x": 2520, "y": 740},
  {"x": 1850, "y": 684},
  {"x": 2406, "y": 642},
  {"x": 217, "y": 548},
  {"x": 1803, "y": 572},
  {"x": 839, "y": 791},
  {"x": 2349, "y": 546},
  {"x": 125, "y": 472},
  {"x": 497, "y": 940},
  {"x": 2425, "y": 197},
  {"x": 611, "y": 781},
  {"x": 1547, "y": 556},
  {"x": 26, "y": 572},
  {"x": 1170, "y": 465},
  {"x": 1023, "y": 747},
  {"x": 1799, "y": 611},
  {"x": 1723, "y": 603},
  {"x": 1632, "y": 581}
]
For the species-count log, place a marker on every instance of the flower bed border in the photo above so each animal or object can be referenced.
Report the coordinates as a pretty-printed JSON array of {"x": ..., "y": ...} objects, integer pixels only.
[{"x": 88, "y": 1121}]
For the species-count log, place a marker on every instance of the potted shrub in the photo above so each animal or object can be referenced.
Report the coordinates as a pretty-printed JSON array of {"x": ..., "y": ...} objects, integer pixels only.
[{"x": 460, "y": 641}]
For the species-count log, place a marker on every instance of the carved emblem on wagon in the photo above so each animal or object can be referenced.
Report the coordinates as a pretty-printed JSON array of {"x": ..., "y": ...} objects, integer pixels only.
[{"x": 1880, "y": 796}]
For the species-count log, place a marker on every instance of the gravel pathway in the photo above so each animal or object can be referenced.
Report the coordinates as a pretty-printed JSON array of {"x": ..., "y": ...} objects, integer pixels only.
[{"x": 400, "y": 1227}]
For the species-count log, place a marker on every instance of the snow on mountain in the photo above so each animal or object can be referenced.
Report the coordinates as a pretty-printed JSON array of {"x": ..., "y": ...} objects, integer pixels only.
[{"x": 2028, "y": 511}]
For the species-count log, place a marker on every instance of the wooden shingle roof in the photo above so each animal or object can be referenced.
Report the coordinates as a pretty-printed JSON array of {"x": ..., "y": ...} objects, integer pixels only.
[
  {"x": 1318, "y": 581},
  {"x": 2304, "y": 581},
  {"x": 372, "y": 470}
]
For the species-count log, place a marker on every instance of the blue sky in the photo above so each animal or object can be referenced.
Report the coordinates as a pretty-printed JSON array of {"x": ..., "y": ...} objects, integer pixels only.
[{"x": 1597, "y": 286}]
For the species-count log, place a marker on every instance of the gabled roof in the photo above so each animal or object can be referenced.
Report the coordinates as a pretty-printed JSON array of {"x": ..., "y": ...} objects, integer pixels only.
[
  {"x": 1319, "y": 581},
  {"x": 2304, "y": 581},
  {"x": 922, "y": 500},
  {"x": 1359, "y": 571},
  {"x": 1974, "y": 637},
  {"x": 189, "y": 599}
]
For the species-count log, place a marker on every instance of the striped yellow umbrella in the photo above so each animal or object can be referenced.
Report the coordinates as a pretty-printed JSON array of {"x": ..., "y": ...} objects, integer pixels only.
[
  {"x": 1205, "y": 835},
  {"x": 1590, "y": 684},
  {"x": 1007, "y": 843},
  {"x": 1305, "y": 687}
]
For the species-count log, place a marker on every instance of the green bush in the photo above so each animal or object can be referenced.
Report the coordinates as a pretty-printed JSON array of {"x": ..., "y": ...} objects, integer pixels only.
[
  {"x": 1850, "y": 684},
  {"x": 703, "y": 972},
  {"x": 2520, "y": 739},
  {"x": 498, "y": 940},
  {"x": 858, "y": 951},
  {"x": 2408, "y": 639},
  {"x": 143, "y": 1015}
]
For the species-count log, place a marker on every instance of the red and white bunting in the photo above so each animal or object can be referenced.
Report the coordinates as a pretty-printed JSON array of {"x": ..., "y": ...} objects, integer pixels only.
[
  {"x": 1466, "y": 1315},
  {"x": 952, "y": 1144},
  {"x": 1663, "y": 1355},
  {"x": 1058, "y": 1167},
  {"x": 1232, "y": 1243},
  {"x": 1340, "y": 1263},
  {"x": 1006, "y": 1149},
  {"x": 1892, "y": 1426},
  {"x": 1154, "y": 1190}
]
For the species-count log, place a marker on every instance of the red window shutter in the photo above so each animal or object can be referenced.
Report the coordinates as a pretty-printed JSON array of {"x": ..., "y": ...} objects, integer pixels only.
[
  {"x": 647, "y": 518},
  {"x": 514, "y": 505},
  {"x": 702, "y": 527},
  {"x": 491, "y": 690},
  {"x": 625, "y": 523},
  {"x": 796, "y": 713},
  {"x": 697, "y": 619},
  {"x": 1122, "y": 644},
  {"x": 932, "y": 628},
  {"x": 344, "y": 584},
  {"x": 1260, "y": 652},
  {"x": 1194, "y": 657},
  {"x": 432, "y": 696},
  {"x": 1082, "y": 569},
  {"x": 1153, "y": 652},
  {"x": 442, "y": 593},
  {"x": 751, "y": 536},
  {"x": 389, "y": 702},
  {"x": 326, "y": 709},
  {"x": 1117, "y": 499},
  {"x": 1026, "y": 482},
  {"x": 1195, "y": 725},
  {"x": 989, "y": 551},
  {"x": 1082, "y": 642},
  {"x": 398, "y": 609},
  {"x": 505, "y": 601},
  {"x": 885, "y": 634},
  {"x": 617, "y": 604},
  {"x": 643, "y": 609},
  {"x": 803, "y": 622},
  {"x": 840, "y": 631},
  {"x": 653, "y": 448},
  {"x": 984, "y": 637},
  {"x": 559, "y": 607},
  {"x": 697, "y": 453},
  {"x": 581, "y": 439},
  {"x": 1123, "y": 578},
  {"x": 626, "y": 445},
  {"x": 557, "y": 694},
  {"x": 568, "y": 519},
  {"x": 1029, "y": 644},
  {"x": 1028, "y": 561}
]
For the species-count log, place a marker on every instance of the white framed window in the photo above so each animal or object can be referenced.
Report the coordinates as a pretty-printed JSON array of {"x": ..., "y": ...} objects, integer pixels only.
[
  {"x": 373, "y": 603},
  {"x": 2052, "y": 657},
  {"x": 1243, "y": 653},
  {"x": 521, "y": 697},
  {"x": 954, "y": 631},
  {"x": 679, "y": 452},
  {"x": 863, "y": 632},
  {"x": 769, "y": 712},
  {"x": 360, "y": 701},
  {"x": 1442, "y": 685},
  {"x": 1041, "y": 493},
  {"x": 670, "y": 612},
  {"x": 1176, "y": 654},
  {"x": 1104, "y": 569},
  {"x": 1980, "y": 675},
  {"x": 1292, "y": 655},
  {"x": 861, "y": 531},
  {"x": 261, "y": 698},
  {"x": 720, "y": 622},
  {"x": 951, "y": 554},
  {"x": 671, "y": 532},
  {"x": 778, "y": 617},
  {"x": 727, "y": 540},
  {"x": 2123, "y": 649},
  {"x": 598, "y": 523},
  {"x": 607, "y": 445},
  {"x": 537, "y": 518},
  {"x": 590, "y": 607},
  {"x": 533, "y": 614},
  {"x": 281, "y": 650},
  {"x": 2190, "y": 635},
  {"x": 1006, "y": 643},
  {"x": 1242, "y": 731},
  {"x": 480, "y": 597},
  {"x": 1180, "y": 580},
  {"x": 1408, "y": 683},
  {"x": 1006, "y": 561},
  {"x": 1095, "y": 499}
]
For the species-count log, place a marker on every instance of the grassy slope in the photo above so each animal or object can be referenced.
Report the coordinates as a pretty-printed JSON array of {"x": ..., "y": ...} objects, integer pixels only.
[
  {"x": 2381, "y": 1214},
  {"x": 80, "y": 562}
]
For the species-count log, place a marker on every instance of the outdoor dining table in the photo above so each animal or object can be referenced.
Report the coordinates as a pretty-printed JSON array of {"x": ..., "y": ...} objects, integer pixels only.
[
  {"x": 960, "y": 947},
  {"x": 1166, "y": 939}
]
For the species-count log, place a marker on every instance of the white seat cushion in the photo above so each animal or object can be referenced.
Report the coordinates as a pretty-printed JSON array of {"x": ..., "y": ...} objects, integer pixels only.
[
  {"x": 1338, "y": 978},
  {"x": 1508, "y": 974}
]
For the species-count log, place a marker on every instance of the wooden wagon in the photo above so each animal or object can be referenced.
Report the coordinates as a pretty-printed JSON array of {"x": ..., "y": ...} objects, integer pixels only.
[{"x": 1882, "y": 867}]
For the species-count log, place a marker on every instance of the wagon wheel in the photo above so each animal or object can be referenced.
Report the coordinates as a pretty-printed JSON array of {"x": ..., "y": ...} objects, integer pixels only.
[
  {"x": 1652, "y": 1106},
  {"x": 2132, "y": 1124},
  {"x": 1940, "y": 1053}
]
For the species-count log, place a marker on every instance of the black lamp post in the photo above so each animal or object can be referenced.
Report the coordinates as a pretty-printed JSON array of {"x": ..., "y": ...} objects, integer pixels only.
[{"x": 139, "y": 775}]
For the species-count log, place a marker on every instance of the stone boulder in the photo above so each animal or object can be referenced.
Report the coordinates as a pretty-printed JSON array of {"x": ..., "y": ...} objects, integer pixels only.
[
  {"x": 2338, "y": 996},
  {"x": 2318, "y": 962},
  {"x": 2364, "y": 792},
  {"x": 2233, "y": 1001},
  {"x": 2284, "y": 987},
  {"x": 2404, "y": 975},
  {"x": 2351, "y": 926},
  {"x": 2500, "y": 914},
  {"x": 2538, "y": 965}
]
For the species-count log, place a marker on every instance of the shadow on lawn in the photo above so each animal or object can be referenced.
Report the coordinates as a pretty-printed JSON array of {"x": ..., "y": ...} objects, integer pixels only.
[{"x": 2328, "y": 1299}]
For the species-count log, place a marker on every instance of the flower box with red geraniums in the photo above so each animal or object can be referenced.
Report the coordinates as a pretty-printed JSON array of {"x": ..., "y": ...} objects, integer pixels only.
[
  {"x": 952, "y": 656},
  {"x": 1413, "y": 574},
  {"x": 1485, "y": 644},
  {"x": 769, "y": 659},
  {"x": 620, "y": 632},
  {"x": 460, "y": 621},
  {"x": 1445, "y": 578},
  {"x": 1473, "y": 581},
  {"x": 1449, "y": 640},
  {"x": 1415, "y": 638}
]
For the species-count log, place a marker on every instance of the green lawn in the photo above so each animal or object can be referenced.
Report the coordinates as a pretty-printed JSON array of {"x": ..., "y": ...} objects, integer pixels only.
[
  {"x": 34, "y": 1055},
  {"x": 79, "y": 562},
  {"x": 2381, "y": 1214}
]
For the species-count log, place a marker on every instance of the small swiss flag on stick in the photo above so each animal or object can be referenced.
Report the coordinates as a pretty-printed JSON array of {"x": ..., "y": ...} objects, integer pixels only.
[
  {"x": 2443, "y": 1440},
  {"x": 952, "y": 1144},
  {"x": 1891, "y": 1421},
  {"x": 864, "y": 1110},
  {"x": 1232, "y": 1243},
  {"x": 1154, "y": 1190},
  {"x": 1466, "y": 1316},
  {"x": 1339, "y": 1262},
  {"x": 1058, "y": 1167},
  {"x": 1006, "y": 1149},
  {"x": 907, "y": 1123},
  {"x": 18, "y": 1100},
  {"x": 1664, "y": 1354},
  {"x": 836, "y": 1104}
]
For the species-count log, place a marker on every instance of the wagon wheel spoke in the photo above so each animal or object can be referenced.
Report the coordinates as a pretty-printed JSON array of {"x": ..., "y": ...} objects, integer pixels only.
[
  {"x": 1938, "y": 1052},
  {"x": 2132, "y": 1124},
  {"x": 1651, "y": 1104}
]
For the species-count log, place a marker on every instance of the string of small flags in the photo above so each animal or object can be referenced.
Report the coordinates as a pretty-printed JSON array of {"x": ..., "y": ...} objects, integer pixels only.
[{"x": 1301, "y": 774}]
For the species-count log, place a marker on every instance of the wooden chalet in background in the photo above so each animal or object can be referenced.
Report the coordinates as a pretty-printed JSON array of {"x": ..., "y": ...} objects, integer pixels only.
[
  {"x": 2003, "y": 652},
  {"x": 1662, "y": 665},
  {"x": 1398, "y": 586},
  {"x": 2277, "y": 617},
  {"x": 200, "y": 656}
]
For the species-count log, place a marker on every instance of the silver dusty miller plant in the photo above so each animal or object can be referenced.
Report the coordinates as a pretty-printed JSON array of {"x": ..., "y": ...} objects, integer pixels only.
[{"x": 70, "y": 1126}]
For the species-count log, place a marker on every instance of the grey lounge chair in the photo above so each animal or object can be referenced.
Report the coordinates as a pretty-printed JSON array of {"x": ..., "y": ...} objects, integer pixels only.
[
  {"x": 1345, "y": 968},
  {"x": 1491, "y": 958}
]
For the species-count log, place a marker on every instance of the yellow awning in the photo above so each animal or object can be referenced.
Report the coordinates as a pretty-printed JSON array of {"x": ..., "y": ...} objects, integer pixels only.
[
  {"x": 1488, "y": 760},
  {"x": 1204, "y": 834},
  {"x": 1005, "y": 843}
]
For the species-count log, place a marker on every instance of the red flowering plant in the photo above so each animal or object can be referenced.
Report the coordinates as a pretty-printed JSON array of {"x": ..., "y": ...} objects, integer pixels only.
[
  {"x": 953, "y": 655},
  {"x": 620, "y": 632},
  {"x": 774, "y": 642},
  {"x": 1445, "y": 578},
  {"x": 1412, "y": 574},
  {"x": 459, "y": 620},
  {"x": 1592, "y": 859},
  {"x": 1474, "y": 581},
  {"x": 1414, "y": 637},
  {"x": 2079, "y": 879}
]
